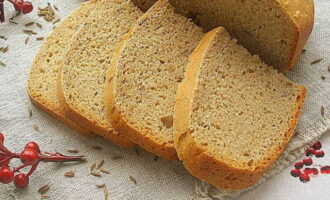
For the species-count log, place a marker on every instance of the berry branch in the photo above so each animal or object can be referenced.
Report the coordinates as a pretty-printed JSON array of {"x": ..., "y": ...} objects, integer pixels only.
[
  {"x": 30, "y": 156},
  {"x": 19, "y": 5}
]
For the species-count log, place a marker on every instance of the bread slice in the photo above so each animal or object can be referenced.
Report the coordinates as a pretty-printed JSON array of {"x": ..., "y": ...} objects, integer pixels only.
[
  {"x": 43, "y": 74},
  {"x": 144, "y": 76},
  {"x": 277, "y": 30},
  {"x": 233, "y": 115},
  {"x": 82, "y": 77}
]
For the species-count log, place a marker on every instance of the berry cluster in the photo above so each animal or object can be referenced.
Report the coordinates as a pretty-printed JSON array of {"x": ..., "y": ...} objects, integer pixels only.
[
  {"x": 20, "y": 5},
  {"x": 305, "y": 174},
  {"x": 30, "y": 156}
]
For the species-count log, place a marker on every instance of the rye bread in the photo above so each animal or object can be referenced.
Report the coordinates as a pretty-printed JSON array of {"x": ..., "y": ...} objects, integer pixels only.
[{"x": 233, "y": 115}]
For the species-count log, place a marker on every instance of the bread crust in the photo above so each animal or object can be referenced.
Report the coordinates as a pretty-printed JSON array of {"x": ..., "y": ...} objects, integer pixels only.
[
  {"x": 195, "y": 158},
  {"x": 300, "y": 12},
  {"x": 120, "y": 121},
  {"x": 39, "y": 99}
]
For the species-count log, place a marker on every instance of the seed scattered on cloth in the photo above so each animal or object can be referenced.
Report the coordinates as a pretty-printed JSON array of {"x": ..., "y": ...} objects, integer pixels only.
[
  {"x": 97, "y": 174},
  {"x": 73, "y": 151},
  {"x": 3, "y": 37},
  {"x": 105, "y": 171},
  {"x": 29, "y": 24},
  {"x": 43, "y": 189},
  {"x": 29, "y": 32},
  {"x": 323, "y": 77},
  {"x": 133, "y": 179},
  {"x": 316, "y": 61},
  {"x": 322, "y": 111},
  {"x": 13, "y": 22},
  {"x": 69, "y": 174},
  {"x": 100, "y": 185}
]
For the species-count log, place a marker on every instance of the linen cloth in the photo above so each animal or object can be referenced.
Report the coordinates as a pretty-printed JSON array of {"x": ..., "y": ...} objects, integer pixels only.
[{"x": 159, "y": 179}]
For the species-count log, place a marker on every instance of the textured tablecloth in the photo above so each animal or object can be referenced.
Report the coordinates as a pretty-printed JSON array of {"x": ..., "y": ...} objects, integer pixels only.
[{"x": 155, "y": 179}]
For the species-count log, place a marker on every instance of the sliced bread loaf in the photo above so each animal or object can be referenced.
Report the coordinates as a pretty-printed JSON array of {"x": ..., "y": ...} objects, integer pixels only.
[
  {"x": 233, "y": 113},
  {"x": 82, "y": 77},
  {"x": 43, "y": 74},
  {"x": 276, "y": 30},
  {"x": 144, "y": 76}
]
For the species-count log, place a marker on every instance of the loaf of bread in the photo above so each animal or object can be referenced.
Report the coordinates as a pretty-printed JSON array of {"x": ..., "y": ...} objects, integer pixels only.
[
  {"x": 81, "y": 84},
  {"x": 276, "y": 30},
  {"x": 144, "y": 75},
  {"x": 43, "y": 74},
  {"x": 233, "y": 115}
]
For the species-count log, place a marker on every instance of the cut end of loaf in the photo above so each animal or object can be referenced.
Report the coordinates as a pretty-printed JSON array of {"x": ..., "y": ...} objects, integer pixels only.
[{"x": 242, "y": 113}]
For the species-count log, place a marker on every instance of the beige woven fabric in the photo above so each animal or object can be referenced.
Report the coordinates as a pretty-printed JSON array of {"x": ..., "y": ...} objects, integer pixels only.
[{"x": 155, "y": 179}]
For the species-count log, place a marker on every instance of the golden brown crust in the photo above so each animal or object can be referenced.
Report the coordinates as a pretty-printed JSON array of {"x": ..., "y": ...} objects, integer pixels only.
[
  {"x": 195, "y": 158},
  {"x": 122, "y": 123}
]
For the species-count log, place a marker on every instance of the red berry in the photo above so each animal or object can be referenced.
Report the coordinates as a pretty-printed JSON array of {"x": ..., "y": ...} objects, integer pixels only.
[
  {"x": 319, "y": 154},
  {"x": 6, "y": 175},
  {"x": 32, "y": 145},
  {"x": 313, "y": 171},
  {"x": 325, "y": 170},
  {"x": 317, "y": 145},
  {"x": 18, "y": 5},
  {"x": 310, "y": 151},
  {"x": 27, "y": 7},
  {"x": 308, "y": 161},
  {"x": 295, "y": 172},
  {"x": 304, "y": 178},
  {"x": 21, "y": 181},
  {"x": 29, "y": 156},
  {"x": 299, "y": 165}
]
